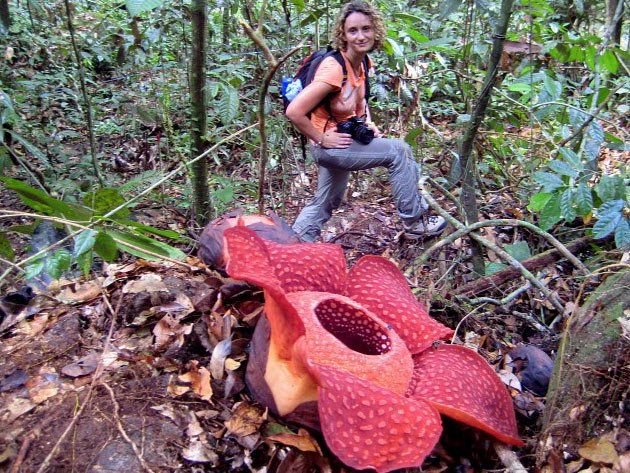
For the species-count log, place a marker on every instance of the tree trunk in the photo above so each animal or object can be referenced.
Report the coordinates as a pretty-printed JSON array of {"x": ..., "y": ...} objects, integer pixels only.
[
  {"x": 468, "y": 167},
  {"x": 5, "y": 17},
  {"x": 611, "y": 8},
  {"x": 201, "y": 195},
  {"x": 589, "y": 381}
]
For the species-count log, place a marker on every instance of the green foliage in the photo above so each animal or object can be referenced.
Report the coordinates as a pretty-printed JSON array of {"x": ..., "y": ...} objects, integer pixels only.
[
  {"x": 135, "y": 7},
  {"x": 108, "y": 233},
  {"x": 519, "y": 251}
]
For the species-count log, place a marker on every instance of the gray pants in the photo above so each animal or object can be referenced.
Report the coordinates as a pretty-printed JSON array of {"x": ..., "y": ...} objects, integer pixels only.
[{"x": 334, "y": 170}]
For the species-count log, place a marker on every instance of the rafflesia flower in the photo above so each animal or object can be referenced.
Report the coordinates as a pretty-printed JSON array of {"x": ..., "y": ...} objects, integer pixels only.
[{"x": 362, "y": 347}]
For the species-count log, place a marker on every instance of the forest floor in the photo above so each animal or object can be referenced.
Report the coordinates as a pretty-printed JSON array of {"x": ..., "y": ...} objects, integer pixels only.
[{"x": 141, "y": 368}]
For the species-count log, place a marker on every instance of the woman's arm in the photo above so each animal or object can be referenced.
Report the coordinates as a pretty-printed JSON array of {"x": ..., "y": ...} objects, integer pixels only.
[{"x": 306, "y": 102}]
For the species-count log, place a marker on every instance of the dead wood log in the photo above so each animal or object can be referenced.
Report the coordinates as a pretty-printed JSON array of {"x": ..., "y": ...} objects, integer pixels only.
[
  {"x": 535, "y": 263},
  {"x": 590, "y": 378}
]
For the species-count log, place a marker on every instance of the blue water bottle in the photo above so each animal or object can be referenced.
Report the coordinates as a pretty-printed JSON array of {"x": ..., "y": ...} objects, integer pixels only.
[{"x": 285, "y": 83}]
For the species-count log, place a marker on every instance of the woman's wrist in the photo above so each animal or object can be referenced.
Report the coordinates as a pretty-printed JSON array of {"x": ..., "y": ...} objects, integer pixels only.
[{"x": 320, "y": 142}]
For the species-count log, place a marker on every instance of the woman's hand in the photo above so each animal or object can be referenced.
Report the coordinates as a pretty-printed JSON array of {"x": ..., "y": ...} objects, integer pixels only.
[
  {"x": 332, "y": 139},
  {"x": 374, "y": 128}
]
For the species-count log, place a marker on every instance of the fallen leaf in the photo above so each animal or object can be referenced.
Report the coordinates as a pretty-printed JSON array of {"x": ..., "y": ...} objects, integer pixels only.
[
  {"x": 302, "y": 441},
  {"x": 200, "y": 451},
  {"x": 78, "y": 293},
  {"x": 167, "y": 411},
  {"x": 84, "y": 366},
  {"x": 217, "y": 361},
  {"x": 168, "y": 330},
  {"x": 199, "y": 380},
  {"x": 232, "y": 365},
  {"x": 19, "y": 406},
  {"x": 149, "y": 282},
  {"x": 599, "y": 451},
  {"x": 13, "y": 381},
  {"x": 8, "y": 53},
  {"x": 43, "y": 386},
  {"x": 194, "y": 428},
  {"x": 246, "y": 419}
]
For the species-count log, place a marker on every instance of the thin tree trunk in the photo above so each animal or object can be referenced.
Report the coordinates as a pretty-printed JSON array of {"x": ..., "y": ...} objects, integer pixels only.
[
  {"x": 201, "y": 194},
  {"x": 468, "y": 169},
  {"x": 611, "y": 8},
  {"x": 5, "y": 17},
  {"x": 86, "y": 97}
]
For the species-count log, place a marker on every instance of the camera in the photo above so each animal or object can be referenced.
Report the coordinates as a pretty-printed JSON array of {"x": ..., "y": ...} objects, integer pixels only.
[{"x": 356, "y": 128}]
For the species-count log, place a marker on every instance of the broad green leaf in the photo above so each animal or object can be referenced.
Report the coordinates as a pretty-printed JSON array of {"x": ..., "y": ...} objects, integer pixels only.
[
  {"x": 394, "y": 47},
  {"x": 224, "y": 194},
  {"x": 408, "y": 18},
  {"x": 448, "y": 7},
  {"x": 173, "y": 235},
  {"x": 576, "y": 53},
  {"x": 138, "y": 245},
  {"x": 519, "y": 251},
  {"x": 31, "y": 148},
  {"x": 577, "y": 117},
  {"x": 412, "y": 136},
  {"x": 551, "y": 213},
  {"x": 607, "y": 222},
  {"x": 58, "y": 263},
  {"x": 84, "y": 262},
  {"x": 84, "y": 242},
  {"x": 610, "y": 188},
  {"x": 594, "y": 140},
  {"x": 6, "y": 251},
  {"x": 27, "y": 229},
  {"x": 562, "y": 168},
  {"x": 538, "y": 201},
  {"x": 520, "y": 87},
  {"x": 553, "y": 88},
  {"x": 583, "y": 199},
  {"x": 299, "y": 5},
  {"x": 105, "y": 247},
  {"x": 566, "y": 205},
  {"x": 549, "y": 181},
  {"x": 612, "y": 206},
  {"x": 104, "y": 200},
  {"x": 228, "y": 104},
  {"x": 41, "y": 202},
  {"x": 609, "y": 61},
  {"x": 622, "y": 235},
  {"x": 589, "y": 57},
  {"x": 135, "y": 7},
  {"x": 34, "y": 268},
  {"x": 572, "y": 158},
  {"x": 416, "y": 35},
  {"x": 494, "y": 267}
]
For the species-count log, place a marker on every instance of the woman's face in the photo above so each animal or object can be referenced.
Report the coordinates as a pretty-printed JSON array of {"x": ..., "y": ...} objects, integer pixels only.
[{"x": 358, "y": 33}]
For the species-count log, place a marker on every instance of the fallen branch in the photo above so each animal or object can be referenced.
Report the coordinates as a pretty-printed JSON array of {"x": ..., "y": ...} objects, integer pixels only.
[
  {"x": 563, "y": 250},
  {"x": 500, "y": 252},
  {"x": 535, "y": 263}
]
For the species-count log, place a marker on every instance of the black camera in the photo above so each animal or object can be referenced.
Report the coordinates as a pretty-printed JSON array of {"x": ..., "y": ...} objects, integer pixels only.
[{"x": 357, "y": 128}]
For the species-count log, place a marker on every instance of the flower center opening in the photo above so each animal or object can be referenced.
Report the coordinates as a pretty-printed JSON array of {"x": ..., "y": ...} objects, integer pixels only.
[{"x": 353, "y": 328}]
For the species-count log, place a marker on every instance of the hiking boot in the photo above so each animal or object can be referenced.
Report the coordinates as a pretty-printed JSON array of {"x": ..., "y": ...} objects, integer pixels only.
[{"x": 429, "y": 226}]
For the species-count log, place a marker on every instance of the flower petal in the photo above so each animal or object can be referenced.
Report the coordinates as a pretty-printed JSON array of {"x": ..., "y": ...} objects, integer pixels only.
[
  {"x": 461, "y": 384},
  {"x": 308, "y": 266},
  {"x": 342, "y": 334},
  {"x": 248, "y": 260},
  {"x": 379, "y": 286},
  {"x": 367, "y": 426}
]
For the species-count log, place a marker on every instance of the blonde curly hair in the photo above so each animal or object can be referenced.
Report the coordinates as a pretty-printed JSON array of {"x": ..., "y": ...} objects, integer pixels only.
[{"x": 359, "y": 6}]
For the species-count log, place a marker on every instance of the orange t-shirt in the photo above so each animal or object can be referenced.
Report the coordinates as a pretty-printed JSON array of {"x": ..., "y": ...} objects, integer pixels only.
[{"x": 345, "y": 103}]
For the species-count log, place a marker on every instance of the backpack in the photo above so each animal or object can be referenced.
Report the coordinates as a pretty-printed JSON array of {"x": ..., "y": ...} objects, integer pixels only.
[{"x": 305, "y": 74}]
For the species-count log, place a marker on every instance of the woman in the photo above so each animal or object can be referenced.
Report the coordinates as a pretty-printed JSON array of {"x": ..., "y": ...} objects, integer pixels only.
[{"x": 359, "y": 29}]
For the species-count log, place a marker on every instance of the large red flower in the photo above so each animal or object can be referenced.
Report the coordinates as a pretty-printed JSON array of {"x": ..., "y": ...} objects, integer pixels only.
[{"x": 360, "y": 345}]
